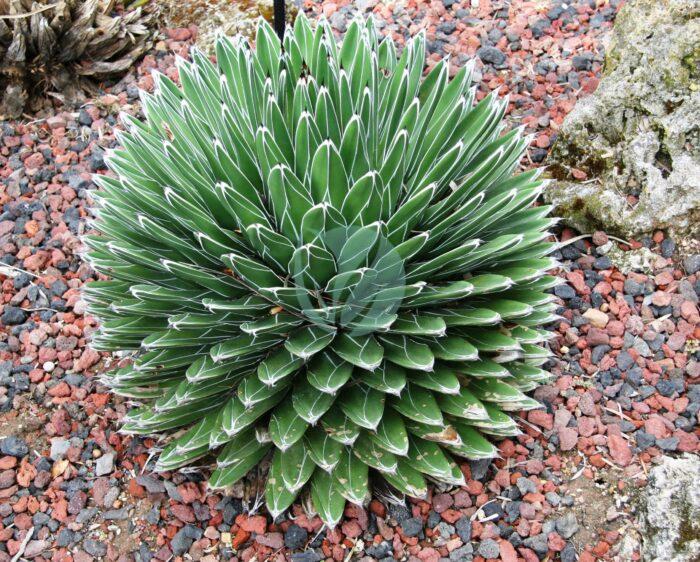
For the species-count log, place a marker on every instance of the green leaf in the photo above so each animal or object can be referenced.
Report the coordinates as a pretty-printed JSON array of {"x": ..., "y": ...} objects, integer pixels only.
[
  {"x": 387, "y": 378},
  {"x": 497, "y": 423},
  {"x": 296, "y": 466},
  {"x": 484, "y": 368},
  {"x": 446, "y": 435},
  {"x": 312, "y": 266},
  {"x": 339, "y": 426},
  {"x": 505, "y": 395},
  {"x": 243, "y": 345},
  {"x": 467, "y": 316},
  {"x": 350, "y": 286},
  {"x": 328, "y": 372},
  {"x": 437, "y": 294},
  {"x": 391, "y": 433},
  {"x": 509, "y": 309},
  {"x": 489, "y": 283},
  {"x": 361, "y": 204},
  {"x": 418, "y": 325},
  {"x": 329, "y": 180},
  {"x": 309, "y": 340},
  {"x": 290, "y": 201},
  {"x": 278, "y": 495},
  {"x": 286, "y": 426},
  {"x": 443, "y": 380},
  {"x": 373, "y": 455},
  {"x": 328, "y": 502},
  {"x": 407, "y": 480},
  {"x": 190, "y": 446},
  {"x": 235, "y": 417},
  {"x": 407, "y": 352},
  {"x": 278, "y": 365},
  {"x": 418, "y": 404},
  {"x": 274, "y": 248},
  {"x": 409, "y": 214},
  {"x": 251, "y": 391},
  {"x": 356, "y": 248},
  {"x": 363, "y": 405},
  {"x": 281, "y": 323},
  {"x": 351, "y": 478},
  {"x": 236, "y": 465},
  {"x": 253, "y": 273},
  {"x": 310, "y": 404},
  {"x": 463, "y": 405},
  {"x": 474, "y": 445},
  {"x": 453, "y": 348},
  {"x": 323, "y": 449},
  {"x": 428, "y": 458},
  {"x": 490, "y": 340},
  {"x": 362, "y": 351},
  {"x": 319, "y": 220}
]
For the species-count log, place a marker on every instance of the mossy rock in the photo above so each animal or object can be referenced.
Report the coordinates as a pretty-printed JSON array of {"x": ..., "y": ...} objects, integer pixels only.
[
  {"x": 669, "y": 509},
  {"x": 637, "y": 138}
]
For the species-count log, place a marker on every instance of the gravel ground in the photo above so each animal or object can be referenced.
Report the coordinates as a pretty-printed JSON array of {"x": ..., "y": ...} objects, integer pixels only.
[{"x": 627, "y": 387}]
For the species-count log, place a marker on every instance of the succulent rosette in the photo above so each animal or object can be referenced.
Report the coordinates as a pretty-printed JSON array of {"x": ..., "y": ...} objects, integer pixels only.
[{"x": 321, "y": 257}]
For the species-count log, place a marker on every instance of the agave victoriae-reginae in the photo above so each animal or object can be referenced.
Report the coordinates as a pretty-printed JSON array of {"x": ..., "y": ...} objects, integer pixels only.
[{"x": 319, "y": 256}]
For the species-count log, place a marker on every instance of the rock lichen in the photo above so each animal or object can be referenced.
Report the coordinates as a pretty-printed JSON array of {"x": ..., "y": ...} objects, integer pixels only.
[
  {"x": 670, "y": 511},
  {"x": 637, "y": 138}
]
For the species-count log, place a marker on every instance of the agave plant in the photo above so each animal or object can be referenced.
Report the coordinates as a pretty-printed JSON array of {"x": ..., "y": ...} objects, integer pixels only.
[
  {"x": 59, "y": 45},
  {"x": 319, "y": 256}
]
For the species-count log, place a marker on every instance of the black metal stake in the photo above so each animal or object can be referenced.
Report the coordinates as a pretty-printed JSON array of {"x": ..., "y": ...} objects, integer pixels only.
[{"x": 279, "y": 18}]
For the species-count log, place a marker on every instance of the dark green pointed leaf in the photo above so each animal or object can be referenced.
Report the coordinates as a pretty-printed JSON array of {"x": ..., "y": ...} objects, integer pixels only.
[
  {"x": 373, "y": 455},
  {"x": 391, "y": 433},
  {"x": 339, "y": 426},
  {"x": 453, "y": 348},
  {"x": 278, "y": 365},
  {"x": 418, "y": 325},
  {"x": 286, "y": 426},
  {"x": 296, "y": 466},
  {"x": 418, "y": 404},
  {"x": 474, "y": 445},
  {"x": 362, "y": 351},
  {"x": 310, "y": 404},
  {"x": 323, "y": 449},
  {"x": 312, "y": 266},
  {"x": 309, "y": 340},
  {"x": 387, "y": 378},
  {"x": 278, "y": 496},
  {"x": 328, "y": 502},
  {"x": 328, "y": 372},
  {"x": 463, "y": 405},
  {"x": 329, "y": 180},
  {"x": 363, "y": 405},
  {"x": 427, "y": 457},
  {"x": 407, "y": 480},
  {"x": 407, "y": 352},
  {"x": 443, "y": 380},
  {"x": 235, "y": 465},
  {"x": 351, "y": 478}
]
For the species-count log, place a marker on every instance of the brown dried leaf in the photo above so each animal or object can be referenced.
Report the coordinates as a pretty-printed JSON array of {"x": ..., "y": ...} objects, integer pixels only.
[{"x": 59, "y": 468}]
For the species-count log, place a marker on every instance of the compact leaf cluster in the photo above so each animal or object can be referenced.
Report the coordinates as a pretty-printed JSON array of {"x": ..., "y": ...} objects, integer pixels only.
[
  {"x": 60, "y": 44},
  {"x": 320, "y": 256}
]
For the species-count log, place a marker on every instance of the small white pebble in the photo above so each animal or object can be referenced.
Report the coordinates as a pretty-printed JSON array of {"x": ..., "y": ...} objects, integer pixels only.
[{"x": 49, "y": 366}]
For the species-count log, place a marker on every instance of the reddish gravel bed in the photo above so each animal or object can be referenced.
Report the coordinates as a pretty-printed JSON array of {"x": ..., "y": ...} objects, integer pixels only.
[{"x": 627, "y": 386}]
